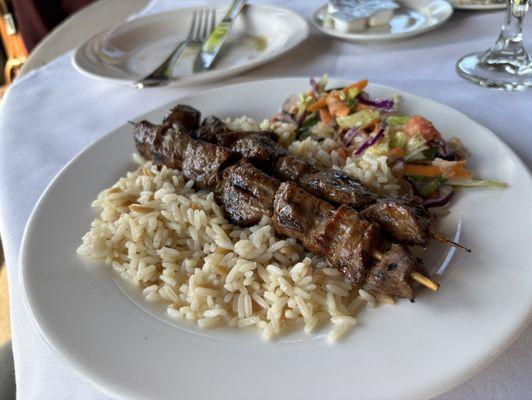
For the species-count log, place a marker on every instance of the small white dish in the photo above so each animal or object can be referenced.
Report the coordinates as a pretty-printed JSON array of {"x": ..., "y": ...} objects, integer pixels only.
[
  {"x": 130, "y": 349},
  {"x": 478, "y": 5},
  {"x": 131, "y": 51},
  {"x": 413, "y": 18}
]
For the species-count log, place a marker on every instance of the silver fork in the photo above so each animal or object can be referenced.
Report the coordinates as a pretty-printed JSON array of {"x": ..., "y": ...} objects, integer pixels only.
[{"x": 202, "y": 25}]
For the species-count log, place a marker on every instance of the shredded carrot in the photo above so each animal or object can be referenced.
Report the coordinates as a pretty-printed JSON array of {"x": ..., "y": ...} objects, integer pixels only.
[
  {"x": 336, "y": 106},
  {"x": 396, "y": 152},
  {"x": 431, "y": 171},
  {"x": 317, "y": 105},
  {"x": 360, "y": 85},
  {"x": 325, "y": 116},
  {"x": 457, "y": 171}
]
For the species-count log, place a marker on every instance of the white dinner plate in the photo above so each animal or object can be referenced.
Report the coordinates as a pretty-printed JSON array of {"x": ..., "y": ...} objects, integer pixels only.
[
  {"x": 129, "y": 349},
  {"x": 478, "y": 5},
  {"x": 413, "y": 18},
  {"x": 131, "y": 51}
]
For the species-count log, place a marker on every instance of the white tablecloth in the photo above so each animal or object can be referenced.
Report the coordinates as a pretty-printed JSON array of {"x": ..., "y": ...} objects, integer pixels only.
[{"x": 54, "y": 113}]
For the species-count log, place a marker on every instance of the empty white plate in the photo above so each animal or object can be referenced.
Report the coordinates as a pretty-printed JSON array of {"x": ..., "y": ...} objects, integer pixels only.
[
  {"x": 130, "y": 349},
  {"x": 133, "y": 50},
  {"x": 413, "y": 18}
]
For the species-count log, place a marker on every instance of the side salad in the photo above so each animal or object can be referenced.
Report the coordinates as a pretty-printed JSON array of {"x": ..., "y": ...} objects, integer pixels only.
[{"x": 431, "y": 166}]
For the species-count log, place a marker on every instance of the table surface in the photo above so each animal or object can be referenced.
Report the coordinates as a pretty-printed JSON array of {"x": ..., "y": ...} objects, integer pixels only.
[{"x": 507, "y": 377}]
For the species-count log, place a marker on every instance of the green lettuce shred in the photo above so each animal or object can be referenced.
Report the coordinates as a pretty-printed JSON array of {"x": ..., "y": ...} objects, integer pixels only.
[
  {"x": 398, "y": 139},
  {"x": 394, "y": 120},
  {"x": 358, "y": 119}
]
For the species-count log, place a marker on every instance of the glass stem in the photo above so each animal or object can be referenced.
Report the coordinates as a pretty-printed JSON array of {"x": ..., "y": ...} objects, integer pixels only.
[
  {"x": 508, "y": 48},
  {"x": 511, "y": 37}
]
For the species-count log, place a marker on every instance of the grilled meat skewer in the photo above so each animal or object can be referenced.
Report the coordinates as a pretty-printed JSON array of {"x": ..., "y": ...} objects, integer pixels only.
[
  {"x": 304, "y": 217},
  {"x": 347, "y": 241},
  {"x": 246, "y": 194},
  {"x": 403, "y": 221},
  {"x": 394, "y": 271},
  {"x": 337, "y": 186},
  {"x": 187, "y": 116},
  {"x": 172, "y": 145}
]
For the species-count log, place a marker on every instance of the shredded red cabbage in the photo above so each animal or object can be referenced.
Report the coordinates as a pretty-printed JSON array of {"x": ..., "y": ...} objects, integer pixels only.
[
  {"x": 299, "y": 119},
  {"x": 445, "y": 194},
  {"x": 289, "y": 104},
  {"x": 350, "y": 135},
  {"x": 284, "y": 117},
  {"x": 445, "y": 151},
  {"x": 372, "y": 140},
  {"x": 386, "y": 104},
  {"x": 315, "y": 87},
  {"x": 411, "y": 193}
]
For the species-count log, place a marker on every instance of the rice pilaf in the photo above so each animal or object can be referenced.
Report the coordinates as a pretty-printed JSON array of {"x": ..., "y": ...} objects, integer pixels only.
[{"x": 174, "y": 243}]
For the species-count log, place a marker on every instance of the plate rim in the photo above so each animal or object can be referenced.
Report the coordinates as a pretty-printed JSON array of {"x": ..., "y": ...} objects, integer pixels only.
[
  {"x": 478, "y": 7},
  {"x": 362, "y": 37},
  {"x": 86, "y": 373},
  {"x": 210, "y": 76}
]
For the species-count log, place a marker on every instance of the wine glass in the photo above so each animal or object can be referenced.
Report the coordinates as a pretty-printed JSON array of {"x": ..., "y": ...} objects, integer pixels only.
[{"x": 506, "y": 65}]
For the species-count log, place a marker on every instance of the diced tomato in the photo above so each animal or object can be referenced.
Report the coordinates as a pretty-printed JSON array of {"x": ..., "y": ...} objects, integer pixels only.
[{"x": 420, "y": 126}]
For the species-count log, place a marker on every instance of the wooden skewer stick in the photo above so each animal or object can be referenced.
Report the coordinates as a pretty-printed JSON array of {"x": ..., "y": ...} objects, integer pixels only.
[
  {"x": 414, "y": 275},
  {"x": 440, "y": 238},
  {"x": 425, "y": 281},
  {"x": 131, "y": 123}
]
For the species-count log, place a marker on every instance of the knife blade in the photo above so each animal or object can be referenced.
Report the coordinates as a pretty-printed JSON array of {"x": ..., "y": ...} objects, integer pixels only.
[{"x": 212, "y": 46}]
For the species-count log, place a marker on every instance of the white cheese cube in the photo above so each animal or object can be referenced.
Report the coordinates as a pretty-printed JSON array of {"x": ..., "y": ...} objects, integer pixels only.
[
  {"x": 348, "y": 23},
  {"x": 380, "y": 18}
]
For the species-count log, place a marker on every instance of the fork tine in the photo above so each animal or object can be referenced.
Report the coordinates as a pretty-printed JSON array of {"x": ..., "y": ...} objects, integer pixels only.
[
  {"x": 200, "y": 24},
  {"x": 199, "y": 32},
  {"x": 213, "y": 20},
  {"x": 205, "y": 32},
  {"x": 193, "y": 24}
]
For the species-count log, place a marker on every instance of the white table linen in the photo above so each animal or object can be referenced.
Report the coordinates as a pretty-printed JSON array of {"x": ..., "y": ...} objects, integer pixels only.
[{"x": 53, "y": 113}]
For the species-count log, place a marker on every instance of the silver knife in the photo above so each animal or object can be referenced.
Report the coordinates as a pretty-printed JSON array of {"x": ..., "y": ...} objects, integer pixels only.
[{"x": 214, "y": 43}]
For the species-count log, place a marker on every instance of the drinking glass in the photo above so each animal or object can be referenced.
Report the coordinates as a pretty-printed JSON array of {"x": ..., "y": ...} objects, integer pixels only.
[{"x": 506, "y": 65}]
